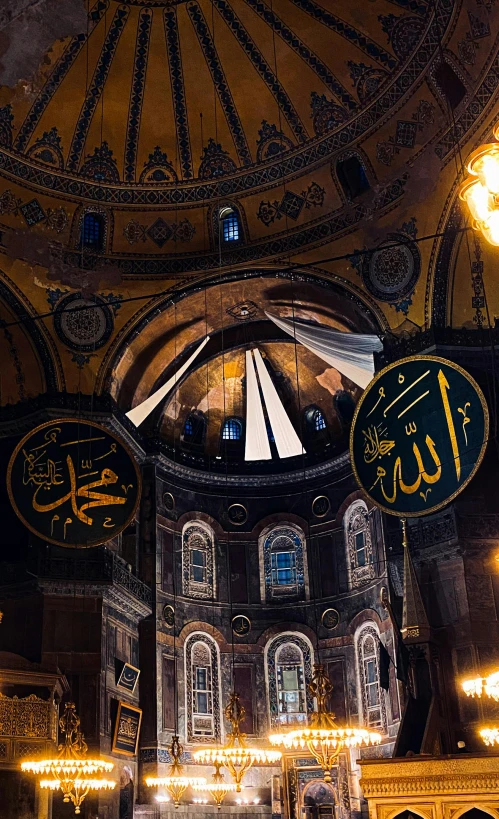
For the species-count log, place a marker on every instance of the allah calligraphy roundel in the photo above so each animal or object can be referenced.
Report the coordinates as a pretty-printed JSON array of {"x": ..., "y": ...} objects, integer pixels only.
[
  {"x": 73, "y": 483},
  {"x": 418, "y": 435}
]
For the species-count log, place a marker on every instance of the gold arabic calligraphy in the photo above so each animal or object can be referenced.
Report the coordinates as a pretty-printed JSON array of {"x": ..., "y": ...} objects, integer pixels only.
[{"x": 377, "y": 446}]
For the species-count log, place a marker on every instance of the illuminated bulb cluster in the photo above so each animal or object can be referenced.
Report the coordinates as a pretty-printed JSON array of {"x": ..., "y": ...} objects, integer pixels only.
[
  {"x": 490, "y": 735},
  {"x": 200, "y": 801},
  {"x": 247, "y": 801},
  {"x": 488, "y": 686},
  {"x": 481, "y": 191}
]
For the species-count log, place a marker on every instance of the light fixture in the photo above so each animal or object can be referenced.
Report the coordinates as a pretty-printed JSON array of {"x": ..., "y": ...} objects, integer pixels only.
[
  {"x": 71, "y": 771},
  {"x": 323, "y": 738},
  {"x": 482, "y": 686},
  {"x": 490, "y": 735},
  {"x": 480, "y": 191},
  {"x": 175, "y": 782},
  {"x": 236, "y": 755},
  {"x": 218, "y": 787}
]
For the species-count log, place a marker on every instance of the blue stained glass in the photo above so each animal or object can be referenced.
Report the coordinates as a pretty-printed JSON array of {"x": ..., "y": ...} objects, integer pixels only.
[
  {"x": 283, "y": 568},
  {"x": 92, "y": 231},
  {"x": 319, "y": 421},
  {"x": 230, "y": 224},
  {"x": 232, "y": 430}
]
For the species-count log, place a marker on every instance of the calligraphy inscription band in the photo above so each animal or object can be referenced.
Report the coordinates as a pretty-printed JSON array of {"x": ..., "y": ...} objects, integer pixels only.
[
  {"x": 73, "y": 483},
  {"x": 418, "y": 435}
]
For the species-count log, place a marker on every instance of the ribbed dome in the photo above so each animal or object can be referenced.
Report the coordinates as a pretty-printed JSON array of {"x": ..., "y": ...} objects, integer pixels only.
[{"x": 166, "y": 92}]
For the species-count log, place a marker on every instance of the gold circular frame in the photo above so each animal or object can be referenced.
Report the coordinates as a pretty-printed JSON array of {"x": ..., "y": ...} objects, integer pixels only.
[
  {"x": 479, "y": 460},
  {"x": 323, "y": 514},
  {"x": 237, "y": 522},
  {"x": 324, "y": 615},
  {"x": 90, "y": 424}
]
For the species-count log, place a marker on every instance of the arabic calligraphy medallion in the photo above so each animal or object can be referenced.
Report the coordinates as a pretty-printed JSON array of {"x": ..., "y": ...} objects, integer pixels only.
[
  {"x": 418, "y": 435},
  {"x": 73, "y": 483}
]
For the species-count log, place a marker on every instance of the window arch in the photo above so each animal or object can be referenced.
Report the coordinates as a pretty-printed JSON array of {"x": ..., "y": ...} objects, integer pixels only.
[
  {"x": 232, "y": 430},
  {"x": 194, "y": 430},
  {"x": 228, "y": 224},
  {"x": 198, "y": 571},
  {"x": 352, "y": 176},
  {"x": 202, "y": 676},
  {"x": 289, "y": 671},
  {"x": 359, "y": 545},
  {"x": 230, "y": 228},
  {"x": 282, "y": 554},
  {"x": 93, "y": 231},
  {"x": 371, "y": 695}
]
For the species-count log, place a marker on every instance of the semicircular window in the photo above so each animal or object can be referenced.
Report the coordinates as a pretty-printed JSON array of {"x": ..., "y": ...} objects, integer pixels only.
[{"x": 232, "y": 430}]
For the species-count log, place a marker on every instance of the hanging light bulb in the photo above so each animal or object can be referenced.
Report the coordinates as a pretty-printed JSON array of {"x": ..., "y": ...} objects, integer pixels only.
[
  {"x": 176, "y": 782},
  {"x": 488, "y": 686},
  {"x": 481, "y": 191},
  {"x": 236, "y": 755},
  {"x": 218, "y": 787},
  {"x": 490, "y": 735},
  {"x": 323, "y": 738},
  {"x": 71, "y": 771}
]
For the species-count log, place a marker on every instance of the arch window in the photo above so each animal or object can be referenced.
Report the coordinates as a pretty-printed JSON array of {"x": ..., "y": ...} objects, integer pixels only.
[
  {"x": 373, "y": 704},
  {"x": 319, "y": 421},
  {"x": 92, "y": 231},
  {"x": 352, "y": 176},
  {"x": 193, "y": 433},
  {"x": 289, "y": 671},
  {"x": 232, "y": 430},
  {"x": 449, "y": 84},
  {"x": 198, "y": 561},
  {"x": 359, "y": 544},
  {"x": 202, "y": 688},
  {"x": 283, "y": 563},
  {"x": 229, "y": 223}
]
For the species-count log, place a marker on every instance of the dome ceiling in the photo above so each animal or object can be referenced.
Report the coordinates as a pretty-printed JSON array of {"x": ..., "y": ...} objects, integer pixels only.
[{"x": 174, "y": 92}]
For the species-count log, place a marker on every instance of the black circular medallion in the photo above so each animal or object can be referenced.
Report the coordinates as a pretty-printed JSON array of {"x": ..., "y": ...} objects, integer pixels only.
[
  {"x": 321, "y": 506},
  {"x": 237, "y": 514},
  {"x": 241, "y": 625},
  {"x": 330, "y": 619},
  {"x": 83, "y": 324},
  {"x": 169, "y": 615}
]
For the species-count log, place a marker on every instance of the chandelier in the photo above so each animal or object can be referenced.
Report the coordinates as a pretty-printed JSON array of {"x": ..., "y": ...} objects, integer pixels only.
[
  {"x": 483, "y": 685},
  {"x": 490, "y": 735},
  {"x": 236, "y": 755},
  {"x": 71, "y": 771},
  {"x": 323, "y": 738},
  {"x": 218, "y": 787},
  {"x": 481, "y": 191},
  {"x": 176, "y": 782}
]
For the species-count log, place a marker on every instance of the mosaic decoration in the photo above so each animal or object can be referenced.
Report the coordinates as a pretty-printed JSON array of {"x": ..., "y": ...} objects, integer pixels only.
[
  {"x": 224, "y": 94},
  {"x": 83, "y": 324},
  {"x": 96, "y": 87},
  {"x": 357, "y": 522},
  {"x": 9, "y": 203},
  {"x": 327, "y": 115},
  {"x": 159, "y": 232},
  {"x": 406, "y": 133},
  {"x": 260, "y": 64},
  {"x": 177, "y": 83},
  {"x": 391, "y": 271},
  {"x": 33, "y": 212},
  {"x": 137, "y": 93},
  {"x": 6, "y": 120},
  {"x": 307, "y": 55},
  {"x": 57, "y": 219},
  {"x": 418, "y": 435},
  {"x": 304, "y": 647},
  {"x": 271, "y": 142},
  {"x": 101, "y": 165},
  {"x": 81, "y": 360},
  {"x": 291, "y": 204},
  {"x": 469, "y": 45},
  {"x": 215, "y": 162},
  {"x": 196, "y": 536},
  {"x": 200, "y": 650},
  {"x": 367, "y": 79},
  {"x": 403, "y": 33},
  {"x": 55, "y": 491},
  {"x": 244, "y": 311},
  {"x": 162, "y": 755},
  {"x": 157, "y": 169},
  {"x": 48, "y": 149},
  {"x": 283, "y": 539}
]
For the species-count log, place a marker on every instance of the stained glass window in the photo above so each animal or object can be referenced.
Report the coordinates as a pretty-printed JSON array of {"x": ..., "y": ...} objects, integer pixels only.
[
  {"x": 232, "y": 430},
  {"x": 92, "y": 231}
]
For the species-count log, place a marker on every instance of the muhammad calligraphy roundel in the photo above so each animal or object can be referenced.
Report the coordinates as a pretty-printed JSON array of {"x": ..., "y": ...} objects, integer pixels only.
[
  {"x": 418, "y": 435},
  {"x": 73, "y": 483}
]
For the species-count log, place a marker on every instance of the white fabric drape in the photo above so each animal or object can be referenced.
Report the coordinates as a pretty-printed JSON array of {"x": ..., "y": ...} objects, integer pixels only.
[
  {"x": 257, "y": 447},
  {"x": 141, "y": 411},
  {"x": 286, "y": 440},
  {"x": 349, "y": 353}
]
